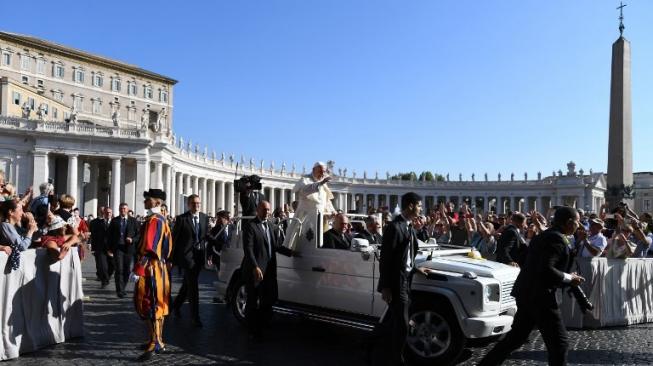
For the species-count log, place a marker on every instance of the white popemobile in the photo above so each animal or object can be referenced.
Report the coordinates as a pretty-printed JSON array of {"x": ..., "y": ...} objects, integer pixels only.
[{"x": 460, "y": 298}]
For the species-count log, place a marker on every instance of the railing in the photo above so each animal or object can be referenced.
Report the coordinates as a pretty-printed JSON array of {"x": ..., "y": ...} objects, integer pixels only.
[{"x": 57, "y": 127}]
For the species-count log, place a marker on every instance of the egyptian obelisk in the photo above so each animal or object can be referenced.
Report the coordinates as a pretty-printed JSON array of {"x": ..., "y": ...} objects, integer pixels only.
[{"x": 620, "y": 150}]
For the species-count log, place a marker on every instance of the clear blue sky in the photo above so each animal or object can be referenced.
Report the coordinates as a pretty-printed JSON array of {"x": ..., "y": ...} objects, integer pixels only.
[{"x": 449, "y": 86}]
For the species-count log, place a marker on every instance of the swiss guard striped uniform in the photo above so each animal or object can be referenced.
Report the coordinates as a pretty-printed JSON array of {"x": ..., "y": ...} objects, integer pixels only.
[{"x": 152, "y": 290}]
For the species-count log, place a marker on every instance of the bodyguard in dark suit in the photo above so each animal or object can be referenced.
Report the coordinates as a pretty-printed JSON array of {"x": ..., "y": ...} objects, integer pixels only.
[
  {"x": 99, "y": 243},
  {"x": 124, "y": 233},
  {"x": 510, "y": 246},
  {"x": 260, "y": 267},
  {"x": 337, "y": 237},
  {"x": 397, "y": 265},
  {"x": 541, "y": 275},
  {"x": 189, "y": 236}
]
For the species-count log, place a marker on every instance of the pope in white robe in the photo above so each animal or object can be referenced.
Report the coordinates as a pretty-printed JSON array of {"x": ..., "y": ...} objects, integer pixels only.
[{"x": 313, "y": 202}]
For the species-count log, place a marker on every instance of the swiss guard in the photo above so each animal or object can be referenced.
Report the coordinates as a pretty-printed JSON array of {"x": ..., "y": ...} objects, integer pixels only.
[{"x": 152, "y": 290}]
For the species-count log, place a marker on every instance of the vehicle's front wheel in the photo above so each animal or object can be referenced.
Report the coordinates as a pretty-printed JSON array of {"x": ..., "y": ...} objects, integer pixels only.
[
  {"x": 238, "y": 301},
  {"x": 434, "y": 337}
]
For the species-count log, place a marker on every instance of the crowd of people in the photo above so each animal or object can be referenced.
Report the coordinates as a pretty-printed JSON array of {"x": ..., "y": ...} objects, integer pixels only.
[{"x": 142, "y": 246}]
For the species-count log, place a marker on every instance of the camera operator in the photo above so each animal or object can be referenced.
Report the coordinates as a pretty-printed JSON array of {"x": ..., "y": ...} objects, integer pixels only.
[
  {"x": 535, "y": 290},
  {"x": 248, "y": 188}
]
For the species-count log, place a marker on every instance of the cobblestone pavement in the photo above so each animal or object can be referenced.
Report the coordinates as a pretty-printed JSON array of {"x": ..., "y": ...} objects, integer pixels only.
[{"x": 112, "y": 332}]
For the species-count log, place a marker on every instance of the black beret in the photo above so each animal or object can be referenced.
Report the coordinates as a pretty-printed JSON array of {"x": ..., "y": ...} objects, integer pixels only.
[{"x": 155, "y": 193}]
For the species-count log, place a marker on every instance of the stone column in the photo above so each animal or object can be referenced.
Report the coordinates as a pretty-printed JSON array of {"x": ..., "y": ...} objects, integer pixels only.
[
  {"x": 272, "y": 198},
  {"x": 196, "y": 185},
  {"x": 90, "y": 195},
  {"x": 40, "y": 169},
  {"x": 230, "y": 198},
  {"x": 211, "y": 194},
  {"x": 178, "y": 193},
  {"x": 167, "y": 172},
  {"x": 527, "y": 205},
  {"x": 538, "y": 203},
  {"x": 142, "y": 184},
  {"x": 203, "y": 195},
  {"x": 221, "y": 196},
  {"x": 282, "y": 197},
  {"x": 500, "y": 206},
  {"x": 73, "y": 177},
  {"x": 188, "y": 187},
  {"x": 115, "y": 184},
  {"x": 158, "y": 174},
  {"x": 172, "y": 195}
]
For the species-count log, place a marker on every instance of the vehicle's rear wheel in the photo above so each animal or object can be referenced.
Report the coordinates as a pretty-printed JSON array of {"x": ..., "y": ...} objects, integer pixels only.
[
  {"x": 238, "y": 301},
  {"x": 434, "y": 337}
]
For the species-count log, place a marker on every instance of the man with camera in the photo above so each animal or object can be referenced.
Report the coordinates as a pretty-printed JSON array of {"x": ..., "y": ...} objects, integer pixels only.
[
  {"x": 188, "y": 236},
  {"x": 248, "y": 188},
  {"x": 535, "y": 291}
]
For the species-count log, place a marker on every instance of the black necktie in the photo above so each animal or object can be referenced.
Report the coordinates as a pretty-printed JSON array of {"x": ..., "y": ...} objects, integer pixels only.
[
  {"x": 197, "y": 229},
  {"x": 122, "y": 227},
  {"x": 411, "y": 231},
  {"x": 267, "y": 237}
]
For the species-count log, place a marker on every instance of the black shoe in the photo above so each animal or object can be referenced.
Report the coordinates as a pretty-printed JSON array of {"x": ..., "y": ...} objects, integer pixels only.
[
  {"x": 104, "y": 285},
  {"x": 146, "y": 356},
  {"x": 197, "y": 323},
  {"x": 121, "y": 294},
  {"x": 160, "y": 350}
]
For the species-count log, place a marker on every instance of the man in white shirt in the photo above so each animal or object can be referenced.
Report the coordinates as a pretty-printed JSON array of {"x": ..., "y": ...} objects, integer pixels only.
[{"x": 596, "y": 242}]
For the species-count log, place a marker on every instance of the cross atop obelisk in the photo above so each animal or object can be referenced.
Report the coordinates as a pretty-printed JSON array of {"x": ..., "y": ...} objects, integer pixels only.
[
  {"x": 621, "y": 17},
  {"x": 620, "y": 148}
]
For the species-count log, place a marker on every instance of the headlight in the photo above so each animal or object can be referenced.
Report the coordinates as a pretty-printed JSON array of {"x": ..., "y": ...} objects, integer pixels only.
[{"x": 491, "y": 293}]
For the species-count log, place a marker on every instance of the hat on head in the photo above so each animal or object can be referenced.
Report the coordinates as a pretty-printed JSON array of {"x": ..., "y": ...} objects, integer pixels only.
[
  {"x": 155, "y": 193},
  {"x": 597, "y": 221},
  {"x": 319, "y": 163},
  {"x": 56, "y": 223}
]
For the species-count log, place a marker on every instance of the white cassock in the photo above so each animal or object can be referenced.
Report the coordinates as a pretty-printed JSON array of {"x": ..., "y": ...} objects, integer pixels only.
[{"x": 313, "y": 201}]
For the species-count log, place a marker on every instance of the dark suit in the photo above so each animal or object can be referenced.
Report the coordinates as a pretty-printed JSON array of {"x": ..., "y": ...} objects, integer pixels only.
[
  {"x": 99, "y": 243},
  {"x": 123, "y": 253},
  {"x": 509, "y": 246},
  {"x": 399, "y": 245},
  {"x": 336, "y": 240},
  {"x": 372, "y": 238},
  {"x": 217, "y": 240},
  {"x": 189, "y": 255},
  {"x": 261, "y": 253},
  {"x": 540, "y": 277}
]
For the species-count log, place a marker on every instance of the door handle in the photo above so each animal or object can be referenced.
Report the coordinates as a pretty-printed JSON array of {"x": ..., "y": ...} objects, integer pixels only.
[{"x": 318, "y": 269}]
